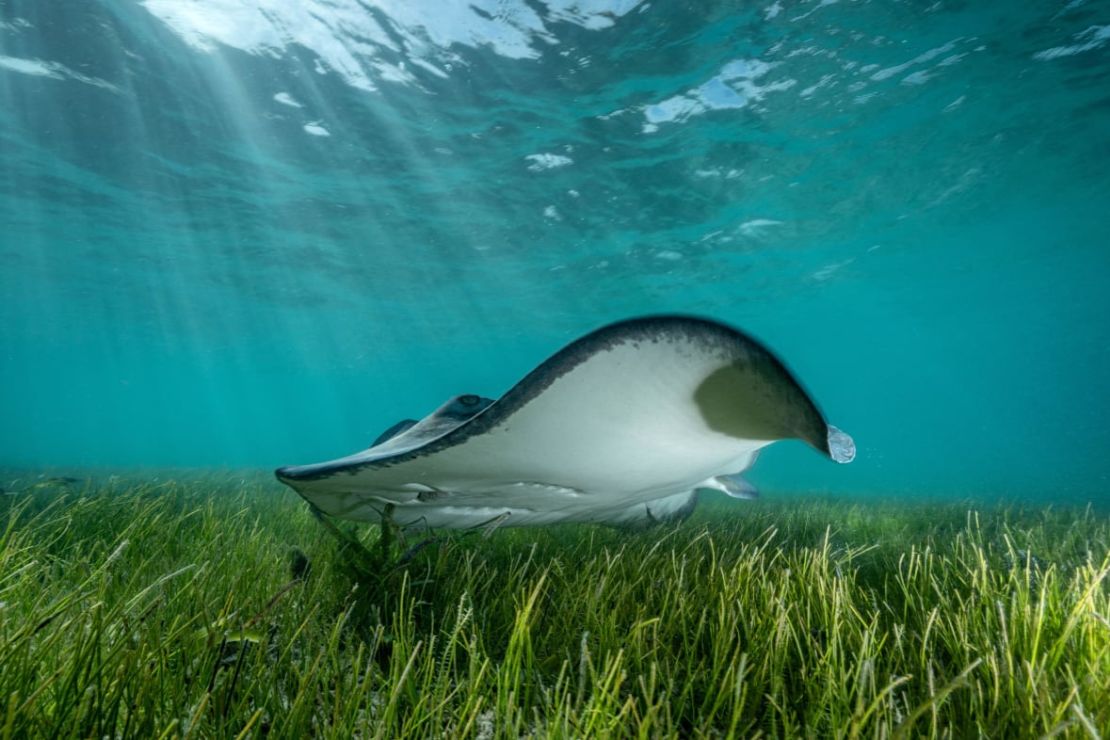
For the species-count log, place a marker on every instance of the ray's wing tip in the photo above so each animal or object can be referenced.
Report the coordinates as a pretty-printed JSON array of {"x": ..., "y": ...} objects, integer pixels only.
[
  {"x": 290, "y": 473},
  {"x": 842, "y": 448}
]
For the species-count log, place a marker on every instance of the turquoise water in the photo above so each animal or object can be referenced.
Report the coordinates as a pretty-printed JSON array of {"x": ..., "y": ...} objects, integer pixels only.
[{"x": 254, "y": 233}]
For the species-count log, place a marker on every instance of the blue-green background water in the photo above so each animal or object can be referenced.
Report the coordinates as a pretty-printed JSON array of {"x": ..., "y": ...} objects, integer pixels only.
[{"x": 252, "y": 232}]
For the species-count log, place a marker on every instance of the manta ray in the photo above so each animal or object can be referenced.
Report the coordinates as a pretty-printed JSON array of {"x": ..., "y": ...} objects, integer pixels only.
[{"x": 623, "y": 426}]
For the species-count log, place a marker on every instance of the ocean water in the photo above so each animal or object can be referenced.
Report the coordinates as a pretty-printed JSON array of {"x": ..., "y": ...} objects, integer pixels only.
[{"x": 248, "y": 233}]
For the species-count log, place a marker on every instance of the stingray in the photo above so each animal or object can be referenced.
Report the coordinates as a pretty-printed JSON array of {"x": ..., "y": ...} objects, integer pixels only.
[{"x": 623, "y": 426}]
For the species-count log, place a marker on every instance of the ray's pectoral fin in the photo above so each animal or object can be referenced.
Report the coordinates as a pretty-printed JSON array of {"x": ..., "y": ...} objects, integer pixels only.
[
  {"x": 405, "y": 435},
  {"x": 453, "y": 413},
  {"x": 450, "y": 414},
  {"x": 399, "y": 428},
  {"x": 755, "y": 398}
]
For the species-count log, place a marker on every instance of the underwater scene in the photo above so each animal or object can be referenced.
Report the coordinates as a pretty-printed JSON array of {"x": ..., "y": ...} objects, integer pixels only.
[{"x": 554, "y": 368}]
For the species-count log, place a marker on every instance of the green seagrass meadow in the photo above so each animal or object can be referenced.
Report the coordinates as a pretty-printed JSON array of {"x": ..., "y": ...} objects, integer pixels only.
[{"x": 213, "y": 606}]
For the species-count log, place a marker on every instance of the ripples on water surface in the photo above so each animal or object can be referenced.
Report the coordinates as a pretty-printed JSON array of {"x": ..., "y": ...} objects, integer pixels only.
[{"x": 256, "y": 232}]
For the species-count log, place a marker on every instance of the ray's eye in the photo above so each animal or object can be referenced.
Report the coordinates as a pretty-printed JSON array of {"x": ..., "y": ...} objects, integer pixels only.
[{"x": 469, "y": 399}]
